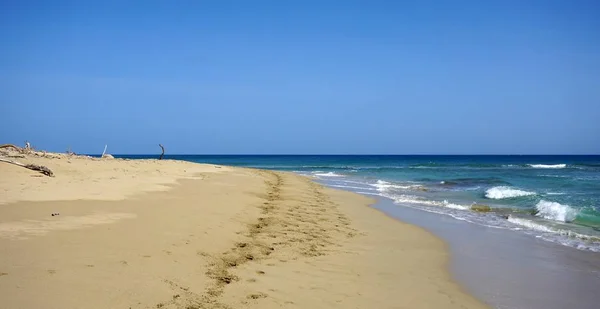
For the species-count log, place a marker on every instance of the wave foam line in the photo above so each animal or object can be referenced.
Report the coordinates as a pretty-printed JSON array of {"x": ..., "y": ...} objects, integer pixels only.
[
  {"x": 503, "y": 192},
  {"x": 329, "y": 174},
  {"x": 409, "y": 199},
  {"x": 350, "y": 187},
  {"x": 383, "y": 186},
  {"x": 546, "y": 229},
  {"x": 547, "y": 165}
]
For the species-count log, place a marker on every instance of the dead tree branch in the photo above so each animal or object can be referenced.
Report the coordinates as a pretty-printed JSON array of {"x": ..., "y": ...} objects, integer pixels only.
[
  {"x": 40, "y": 168},
  {"x": 17, "y": 148},
  {"x": 163, "y": 151}
]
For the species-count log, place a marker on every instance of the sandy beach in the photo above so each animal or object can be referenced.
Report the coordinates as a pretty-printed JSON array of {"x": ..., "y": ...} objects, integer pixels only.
[{"x": 174, "y": 234}]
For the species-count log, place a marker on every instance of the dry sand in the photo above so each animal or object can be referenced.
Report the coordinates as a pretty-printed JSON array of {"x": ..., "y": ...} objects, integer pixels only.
[{"x": 169, "y": 234}]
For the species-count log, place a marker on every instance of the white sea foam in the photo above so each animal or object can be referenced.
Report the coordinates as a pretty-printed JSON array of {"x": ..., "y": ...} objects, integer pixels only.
[
  {"x": 414, "y": 200},
  {"x": 368, "y": 193},
  {"x": 455, "y": 206},
  {"x": 350, "y": 187},
  {"x": 555, "y": 176},
  {"x": 555, "y": 211},
  {"x": 505, "y": 192},
  {"x": 329, "y": 174},
  {"x": 383, "y": 186},
  {"x": 351, "y": 181},
  {"x": 410, "y": 199},
  {"x": 548, "y": 165},
  {"x": 530, "y": 224}
]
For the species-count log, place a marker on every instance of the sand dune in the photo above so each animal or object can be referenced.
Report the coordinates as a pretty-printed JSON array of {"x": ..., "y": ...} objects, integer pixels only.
[{"x": 169, "y": 234}]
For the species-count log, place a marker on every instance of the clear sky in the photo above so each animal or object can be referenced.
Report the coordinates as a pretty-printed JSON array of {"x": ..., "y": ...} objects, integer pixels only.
[{"x": 296, "y": 77}]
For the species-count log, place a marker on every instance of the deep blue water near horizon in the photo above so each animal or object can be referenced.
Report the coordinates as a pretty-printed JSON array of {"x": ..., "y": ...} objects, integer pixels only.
[{"x": 555, "y": 198}]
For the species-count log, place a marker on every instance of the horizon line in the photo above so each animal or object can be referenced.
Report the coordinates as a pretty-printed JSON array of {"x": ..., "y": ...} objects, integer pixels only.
[{"x": 330, "y": 154}]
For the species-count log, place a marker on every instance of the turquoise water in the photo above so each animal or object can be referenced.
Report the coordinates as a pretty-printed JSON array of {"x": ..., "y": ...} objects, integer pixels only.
[{"x": 555, "y": 198}]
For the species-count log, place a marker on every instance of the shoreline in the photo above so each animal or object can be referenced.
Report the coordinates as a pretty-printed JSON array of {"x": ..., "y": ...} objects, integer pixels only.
[
  {"x": 519, "y": 271},
  {"x": 175, "y": 234}
]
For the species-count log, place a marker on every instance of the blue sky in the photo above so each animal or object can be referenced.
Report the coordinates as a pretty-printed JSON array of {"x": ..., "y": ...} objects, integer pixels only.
[{"x": 349, "y": 77}]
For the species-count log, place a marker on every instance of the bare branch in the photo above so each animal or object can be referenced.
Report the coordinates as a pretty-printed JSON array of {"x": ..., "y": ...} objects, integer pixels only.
[
  {"x": 163, "y": 151},
  {"x": 17, "y": 148},
  {"x": 42, "y": 169}
]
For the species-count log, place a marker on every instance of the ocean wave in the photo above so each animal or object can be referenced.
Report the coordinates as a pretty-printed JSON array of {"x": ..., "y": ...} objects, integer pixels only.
[
  {"x": 503, "y": 192},
  {"x": 352, "y": 181},
  {"x": 565, "y": 236},
  {"x": 349, "y": 187},
  {"x": 529, "y": 224},
  {"x": 454, "y": 166},
  {"x": 368, "y": 193},
  {"x": 472, "y": 182},
  {"x": 411, "y": 199},
  {"x": 555, "y": 211},
  {"x": 383, "y": 186},
  {"x": 328, "y": 174},
  {"x": 555, "y": 176},
  {"x": 547, "y": 165},
  {"x": 455, "y": 206},
  {"x": 532, "y": 225}
]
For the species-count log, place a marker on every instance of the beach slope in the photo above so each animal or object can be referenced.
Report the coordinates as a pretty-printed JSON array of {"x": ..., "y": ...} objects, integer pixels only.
[{"x": 172, "y": 234}]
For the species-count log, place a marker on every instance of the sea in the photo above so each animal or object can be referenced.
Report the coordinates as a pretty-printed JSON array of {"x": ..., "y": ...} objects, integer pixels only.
[{"x": 553, "y": 198}]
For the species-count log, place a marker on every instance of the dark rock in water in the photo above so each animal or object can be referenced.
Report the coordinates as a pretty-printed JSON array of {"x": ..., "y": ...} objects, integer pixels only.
[{"x": 481, "y": 208}]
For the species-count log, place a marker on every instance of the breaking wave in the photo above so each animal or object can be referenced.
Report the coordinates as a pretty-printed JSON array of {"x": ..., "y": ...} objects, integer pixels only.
[
  {"x": 503, "y": 192},
  {"x": 555, "y": 211},
  {"x": 529, "y": 224},
  {"x": 547, "y": 165},
  {"x": 383, "y": 186},
  {"x": 328, "y": 174}
]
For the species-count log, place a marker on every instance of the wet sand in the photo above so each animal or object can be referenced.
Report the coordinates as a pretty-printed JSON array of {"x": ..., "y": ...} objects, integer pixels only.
[
  {"x": 508, "y": 269},
  {"x": 170, "y": 234}
]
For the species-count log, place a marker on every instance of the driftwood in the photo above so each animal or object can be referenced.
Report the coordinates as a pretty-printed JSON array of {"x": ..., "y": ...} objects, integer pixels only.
[
  {"x": 163, "y": 151},
  {"x": 40, "y": 168},
  {"x": 102, "y": 156},
  {"x": 17, "y": 148}
]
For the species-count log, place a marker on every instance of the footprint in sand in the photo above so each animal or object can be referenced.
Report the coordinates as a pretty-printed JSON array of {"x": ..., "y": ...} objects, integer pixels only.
[
  {"x": 51, "y": 271},
  {"x": 256, "y": 295}
]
